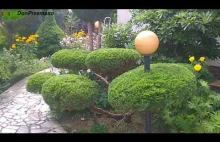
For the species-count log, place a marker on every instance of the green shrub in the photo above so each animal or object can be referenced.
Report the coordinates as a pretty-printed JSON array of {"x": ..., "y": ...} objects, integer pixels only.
[
  {"x": 113, "y": 61},
  {"x": 119, "y": 36},
  {"x": 139, "y": 90},
  {"x": 3, "y": 39},
  {"x": 205, "y": 74},
  {"x": 35, "y": 82},
  {"x": 182, "y": 32},
  {"x": 69, "y": 91},
  {"x": 50, "y": 35},
  {"x": 71, "y": 59},
  {"x": 4, "y": 72},
  {"x": 193, "y": 115},
  {"x": 211, "y": 125}
]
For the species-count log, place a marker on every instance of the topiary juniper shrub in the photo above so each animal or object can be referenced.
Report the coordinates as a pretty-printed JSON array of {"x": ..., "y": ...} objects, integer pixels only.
[
  {"x": 112, "y": 62},
  {"x": 35, "y": 82},
  {"x": 69, "y": 92},
  {"x": 139, "y": 90},
  {"x": 71, "y": 59}
]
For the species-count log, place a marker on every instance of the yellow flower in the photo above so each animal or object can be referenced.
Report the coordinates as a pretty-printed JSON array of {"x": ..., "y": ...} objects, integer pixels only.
[
  {"x": 31, "y": 38},
  {"x": 13, "y": 46},
  {"x": 202, "y": 59},
  {"x": 28, "y": 40},
  {"x": 36, "y": 42},
  {"x": 197, "y": 67},
  {"x": 23, "y": 38},
  {"x": 36, "y": 35},
  {"x": 17, "y": 39},
  {"x": 191, "y": 59}
]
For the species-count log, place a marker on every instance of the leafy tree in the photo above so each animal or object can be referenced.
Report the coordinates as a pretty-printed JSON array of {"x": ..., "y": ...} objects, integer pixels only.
[
  {"x": 183, "y": 32},
  {"x": 50, "y": 34}
]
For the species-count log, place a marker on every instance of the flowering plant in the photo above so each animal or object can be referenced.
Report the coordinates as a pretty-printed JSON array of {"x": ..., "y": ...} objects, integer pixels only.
[
  {"x": 197, "y": 64},
  {"x": 25, "y": 47},
  {"x": 77, "y": 40}
]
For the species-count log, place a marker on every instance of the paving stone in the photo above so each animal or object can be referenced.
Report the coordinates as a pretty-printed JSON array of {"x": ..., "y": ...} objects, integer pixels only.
[
  {"x": 20, "y": 95},
  {"x": 16, "y": 117},
  {"x": 8, "y": 114},
  {"x": 35, "y": 127},
  {"x": 19, "y": 120},
  {"x": 4, "y": 125},
  {"x": 21, "y": 124},
  {"x": 24, "y": 116},
  {"x": 1, "y": 107},
  {"x": 40, "y": 122},
  {"x": 2, "y": 119},
  {"x": 14, "y": 123},
  {"x": 7, "y": 122},
  {"x": 13, "y": 111},
  {"x": 12, "y": 127},
  {"x": 18, "y": 106},
  {"x": 25, "y": 112},
  {"x": 5, "y": 130},
  {"x": 49, "y": 124},
  {"x": 23, "y": 129},
  {"x": 38, "y": 130}
]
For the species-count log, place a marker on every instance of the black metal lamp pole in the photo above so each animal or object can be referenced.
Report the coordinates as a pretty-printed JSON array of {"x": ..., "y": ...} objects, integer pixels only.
[
  {"x": 146, "y": 63},
  {"x": 147, "y": 113}
]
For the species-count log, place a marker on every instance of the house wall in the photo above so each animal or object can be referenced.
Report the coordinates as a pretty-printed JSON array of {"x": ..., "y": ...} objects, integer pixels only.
[{"x": 123, "y": 15}]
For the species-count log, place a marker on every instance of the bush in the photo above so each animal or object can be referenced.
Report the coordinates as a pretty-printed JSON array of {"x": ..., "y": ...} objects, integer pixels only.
[
  {"x": 205, "y": 74},
  {"x": 35, "y": 82},
  {"x": 71, "y": 59},
  {"x": 112, "y": 62},
  {"x": 50, "y": 35},
  {"x": 196, "y": 115},
  {"x": 4, "y": 72},
  {"x": 182, "y": 32},
  {"x": 118, "y": 35},
  {"x": 137, "y": 90},
  {"x": 3, "y": 39},
  {"x": 67, "y": 92}
]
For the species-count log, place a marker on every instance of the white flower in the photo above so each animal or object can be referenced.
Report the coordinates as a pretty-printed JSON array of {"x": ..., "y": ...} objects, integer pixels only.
[{"x": 88, "y": 70}]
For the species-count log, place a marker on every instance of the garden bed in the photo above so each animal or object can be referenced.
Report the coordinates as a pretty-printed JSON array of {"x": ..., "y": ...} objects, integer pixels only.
[{"x": 84, "y": 123}]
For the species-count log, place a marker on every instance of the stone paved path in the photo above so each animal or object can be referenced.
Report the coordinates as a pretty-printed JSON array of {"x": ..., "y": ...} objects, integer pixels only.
[{"x": 24, "y": 112}]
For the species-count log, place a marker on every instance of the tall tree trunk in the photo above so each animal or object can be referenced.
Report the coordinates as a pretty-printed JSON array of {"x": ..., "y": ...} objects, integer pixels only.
[
  {"x": 90, "y": 36},
  {"x": 99, "y": 35}
]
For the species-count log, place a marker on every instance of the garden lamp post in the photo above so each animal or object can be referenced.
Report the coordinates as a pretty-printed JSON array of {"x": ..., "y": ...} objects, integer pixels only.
[
  {"x": 97, "y": 24},
  {"x": 146, "y": 43}
]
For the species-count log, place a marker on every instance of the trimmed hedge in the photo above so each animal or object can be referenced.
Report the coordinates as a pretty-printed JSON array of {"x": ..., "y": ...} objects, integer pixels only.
[
  {"x": 70, "y": 91},
  {"x": 139, "y": 90},
  {"x": 112, "y": 62},
  {"x": 71, "y": 59},
  {"x": 35, "y": 82}
]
